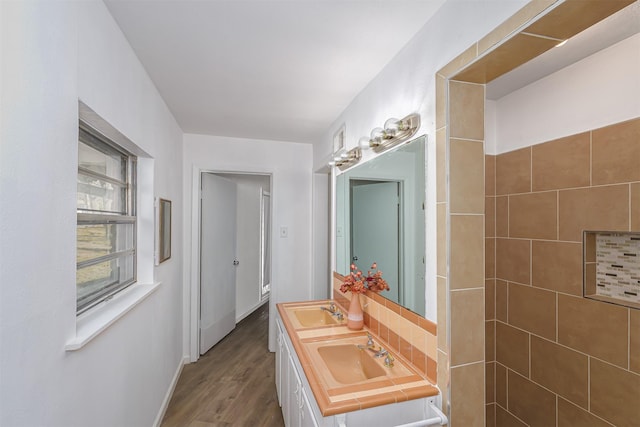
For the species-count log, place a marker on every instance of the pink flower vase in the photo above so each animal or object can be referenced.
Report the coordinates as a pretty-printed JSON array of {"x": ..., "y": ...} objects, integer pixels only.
[{"x": 355, "y": 317}]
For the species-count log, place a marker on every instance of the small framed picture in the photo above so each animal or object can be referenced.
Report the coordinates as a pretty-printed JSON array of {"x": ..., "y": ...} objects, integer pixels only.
[
  {"x": 164, "y": 231},
  {"x": 338, "y": 140}
]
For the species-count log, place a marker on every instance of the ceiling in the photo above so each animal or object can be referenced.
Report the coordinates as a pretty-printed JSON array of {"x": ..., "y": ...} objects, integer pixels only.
[{"x": 277, "y": 70}]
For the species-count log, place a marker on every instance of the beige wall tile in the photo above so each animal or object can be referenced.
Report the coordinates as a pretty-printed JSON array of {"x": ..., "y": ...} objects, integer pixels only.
[
  {"x": 596, "y": 208},
  {"x": 531, "y": 403},
  {"x": 490, "y": 340},
  {"x": 501, "y": 300},
  {"x": 441, "y": 101},
  {"x": 557, "y": 266},
  {"x": 502, "y": 216},
  {"x": 490, "y": 258},
  {"x": 467, "y": 326},
  {"x": 441, "y": 239},
  {"x": 634, "y": 341},
  {"x": 468, "y": 395},
  {"x": 441, "y": 165},
  {"x": 458, "y": 62},
  {"x": 490, "y": 217},
  {"x": 590, "y": 247},
  {"x": 443, "y": 378},
  {"x": 501, "y": 385},
  {"x": 616, "y": 153},
  {"x": 562, "y": 163},
  {"x": 466, "y": 176},
  {"x": 533, "y": 310},
  {"x": 635, "y": 207},
  {"x": 505, "y": 419},
  {"x": 513, "y": 172},
  {"x": 590, "y": 279},
  {"x": 570, "y": 18},
  {"x": 512, "y": 260},
  {"x": 466, "y": 111},
  {"x": 490, "y": 175},
  {"x": 593, "y": 327},
  {"x": 533, "y": 216},
  {"x": 490, "y": 387},
  {"x": 489, "y": 299},
  {"x": 490, "y": 413},
  {"x": 512, "y": 53},
  {"x": 561, "y": 370},
  {"x": 442, "y": 313},
  {"x": 512, "y": 348},
  {"x": 615, "y": 394},
  {"x": 569, "y": 415},
  {"x": 521, "y": 17},
  {"x": 466, "y": 266}
]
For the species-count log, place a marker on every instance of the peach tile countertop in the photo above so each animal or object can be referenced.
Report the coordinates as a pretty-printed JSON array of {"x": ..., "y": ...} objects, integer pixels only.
[{"x": 400, "y": 383}]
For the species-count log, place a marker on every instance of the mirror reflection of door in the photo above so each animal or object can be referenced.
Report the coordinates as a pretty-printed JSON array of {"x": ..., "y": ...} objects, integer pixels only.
[{"x": 376, "y": 230}]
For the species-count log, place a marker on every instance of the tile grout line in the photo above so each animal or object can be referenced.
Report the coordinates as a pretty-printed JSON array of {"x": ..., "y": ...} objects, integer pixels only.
[{"x": 590, "y": 158}]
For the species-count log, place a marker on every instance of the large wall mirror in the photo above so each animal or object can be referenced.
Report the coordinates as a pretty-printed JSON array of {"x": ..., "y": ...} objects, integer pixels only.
[{"x": 380, "y": 217}]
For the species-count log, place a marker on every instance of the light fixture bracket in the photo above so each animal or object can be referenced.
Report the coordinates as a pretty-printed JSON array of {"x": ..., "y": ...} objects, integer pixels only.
[
  {"x": 406, "y": 128},
  {"x": 352, "y": 157}
]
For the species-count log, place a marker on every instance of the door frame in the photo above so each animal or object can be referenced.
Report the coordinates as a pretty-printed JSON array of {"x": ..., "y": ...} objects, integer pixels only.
[{"x": 192, "y": 308}]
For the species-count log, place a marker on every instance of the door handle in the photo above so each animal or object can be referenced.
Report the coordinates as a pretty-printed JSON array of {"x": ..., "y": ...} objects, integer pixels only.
[
  {"x": 355, "y": 258},
  {"x": 236, "y": 262}
]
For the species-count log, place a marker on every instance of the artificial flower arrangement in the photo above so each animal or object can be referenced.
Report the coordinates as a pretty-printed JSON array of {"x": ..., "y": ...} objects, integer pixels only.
[{"x": 358, "y": 283}]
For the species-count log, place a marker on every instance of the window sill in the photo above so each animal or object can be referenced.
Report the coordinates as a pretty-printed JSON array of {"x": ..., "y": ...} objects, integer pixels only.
[{"x": 91, "y": 324}]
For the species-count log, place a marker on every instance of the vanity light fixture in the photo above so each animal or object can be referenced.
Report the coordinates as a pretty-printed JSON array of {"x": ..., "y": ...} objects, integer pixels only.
[
  {"x": 348, "y": 159},
  {"x": 395, "y": 131}
]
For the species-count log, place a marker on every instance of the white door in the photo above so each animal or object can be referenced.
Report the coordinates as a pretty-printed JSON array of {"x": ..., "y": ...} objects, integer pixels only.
[
  {"x": 217, "y": 260},
  {"x": 375, "y": 230}
]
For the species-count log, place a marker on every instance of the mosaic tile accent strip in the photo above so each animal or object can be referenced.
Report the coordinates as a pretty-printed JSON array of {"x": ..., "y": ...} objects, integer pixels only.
[{"x": 618, "y": 266}]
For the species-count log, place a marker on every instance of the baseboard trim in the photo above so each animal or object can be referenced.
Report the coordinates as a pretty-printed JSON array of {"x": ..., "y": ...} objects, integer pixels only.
[
  {"x": 172, "y": 387},
  {"x": 252, "y": 309}
]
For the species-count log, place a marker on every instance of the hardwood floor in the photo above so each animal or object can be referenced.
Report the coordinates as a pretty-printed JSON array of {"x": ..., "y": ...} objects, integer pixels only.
[{"x": 232, "y": 384}]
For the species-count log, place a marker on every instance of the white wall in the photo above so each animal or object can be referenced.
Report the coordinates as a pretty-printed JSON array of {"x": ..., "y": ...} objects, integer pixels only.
[
  {"x": 289, "y": 164},
  {"x": 321, "y": 194},
  {"x": 54, "y": 53},
  {"x": 407, "y": 85},
  {"x": 597, "y": 91}
]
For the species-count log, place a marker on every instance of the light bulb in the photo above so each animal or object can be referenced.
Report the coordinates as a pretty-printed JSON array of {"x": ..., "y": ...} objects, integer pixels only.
[{"x": 364, "y": 143}]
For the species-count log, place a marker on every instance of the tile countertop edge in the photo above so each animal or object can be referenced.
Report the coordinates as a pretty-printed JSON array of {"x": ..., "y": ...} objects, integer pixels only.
[{"x": 328, "y": 408}]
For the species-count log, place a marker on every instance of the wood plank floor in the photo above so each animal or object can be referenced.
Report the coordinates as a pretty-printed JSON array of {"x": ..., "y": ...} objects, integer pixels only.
[{"x": 232, "y": 384}]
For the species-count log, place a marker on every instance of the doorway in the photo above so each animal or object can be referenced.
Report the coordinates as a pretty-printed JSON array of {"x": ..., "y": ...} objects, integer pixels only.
[
  {"x": 376, "y": 222},
  {"x": 234, "y": 251}
]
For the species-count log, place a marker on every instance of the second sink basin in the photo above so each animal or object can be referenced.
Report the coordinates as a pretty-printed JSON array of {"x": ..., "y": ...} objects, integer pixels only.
[
  {"x": 349, "y": 364},
  {"x": 314, "y": 317}
]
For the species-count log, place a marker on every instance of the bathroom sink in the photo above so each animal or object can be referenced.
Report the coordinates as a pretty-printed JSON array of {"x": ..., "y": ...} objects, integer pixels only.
[
  {"x": 314, "y": 317},
  {"x": 350, "y": 364}
]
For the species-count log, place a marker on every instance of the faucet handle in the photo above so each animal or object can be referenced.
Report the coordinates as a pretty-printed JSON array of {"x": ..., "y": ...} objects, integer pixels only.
[
  {"x": 369, "y": 340},
  {"x": 332, "y": 307},
  {"x": 388, "y": 361}
]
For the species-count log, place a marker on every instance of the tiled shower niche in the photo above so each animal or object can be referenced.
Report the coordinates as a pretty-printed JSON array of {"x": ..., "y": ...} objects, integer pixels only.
[{"x": 612, "y": 267}]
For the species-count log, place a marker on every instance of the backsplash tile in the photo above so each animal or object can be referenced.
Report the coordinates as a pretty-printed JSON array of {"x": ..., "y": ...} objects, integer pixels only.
[{"x": 402, "y": 330}]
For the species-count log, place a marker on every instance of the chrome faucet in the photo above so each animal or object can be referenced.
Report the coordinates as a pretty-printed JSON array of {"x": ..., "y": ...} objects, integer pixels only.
[
  {"x": 381, "y": 352},
  {"x": 334, "y": 311},
  {"x": 331, "y": 309}
]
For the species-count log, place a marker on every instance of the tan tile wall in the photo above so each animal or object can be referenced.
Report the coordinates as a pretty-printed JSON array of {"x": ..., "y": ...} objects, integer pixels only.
[
  {"x": 404, "y": 331},
  {"x": 560, "y": 359},
  {"x": 462, "y": 256}
]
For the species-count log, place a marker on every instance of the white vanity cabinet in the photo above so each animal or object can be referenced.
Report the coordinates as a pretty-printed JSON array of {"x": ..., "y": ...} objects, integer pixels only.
[{"x": 300, "y": 409}]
